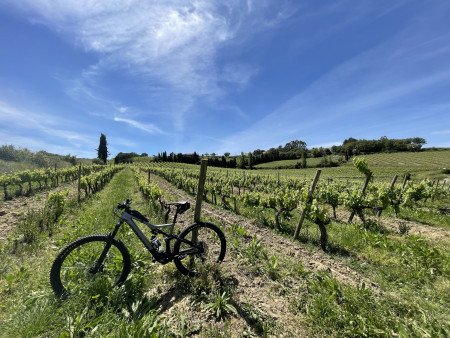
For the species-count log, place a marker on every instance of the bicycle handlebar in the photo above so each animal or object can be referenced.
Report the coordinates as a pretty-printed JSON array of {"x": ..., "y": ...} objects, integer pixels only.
[{"x": 124, "y": 205}]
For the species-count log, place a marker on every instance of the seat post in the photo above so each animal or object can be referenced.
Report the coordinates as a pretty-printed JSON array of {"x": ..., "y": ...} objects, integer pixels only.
[{"x": 175, "y": 217}]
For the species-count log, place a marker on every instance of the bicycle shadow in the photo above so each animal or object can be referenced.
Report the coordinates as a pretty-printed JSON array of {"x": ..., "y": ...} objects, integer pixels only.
[
  {"x": 183, "y": 289},
  {"x": 256, "y": 319},
  {"x": 172, "y": 296}
]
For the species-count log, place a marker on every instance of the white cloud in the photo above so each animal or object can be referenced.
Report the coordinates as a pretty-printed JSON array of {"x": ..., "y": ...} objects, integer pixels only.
[
  {"x": 37, "y": 143},
  {"x": 122, "y": 109},
  {"x": 238, "y": 73},
  {"x": 171, "y": 44},
  {"x": 376, "y": 85},
  {"x": 38, "y": 127},
  {"x": 147, "y": 127}
]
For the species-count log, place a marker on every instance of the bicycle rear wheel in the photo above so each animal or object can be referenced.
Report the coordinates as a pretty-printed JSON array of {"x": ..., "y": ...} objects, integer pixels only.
[
  {"x": 75, "y": 269},
  {"x": 209, "y": 248}
]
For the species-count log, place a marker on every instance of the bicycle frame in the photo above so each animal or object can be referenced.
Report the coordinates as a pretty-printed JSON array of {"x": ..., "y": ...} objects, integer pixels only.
[{"x": 160, "y": 256}]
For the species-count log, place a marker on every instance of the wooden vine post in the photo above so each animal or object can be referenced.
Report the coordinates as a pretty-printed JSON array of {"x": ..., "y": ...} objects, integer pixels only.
[
  {"x": 198, "y": 201},
  {"x": 308, "y": 202},
  {"x": 148, "y": 177},
  {"x": 363, "y": 190},
  {"x": 56, "y": 181},
  {"x": 432, "y": 185},
  {"x": 200, "y": 190},
  {"x": 394, "y": 179},
  {"x": 405, "y": 180},
  {"x": 79, "y": 184}
]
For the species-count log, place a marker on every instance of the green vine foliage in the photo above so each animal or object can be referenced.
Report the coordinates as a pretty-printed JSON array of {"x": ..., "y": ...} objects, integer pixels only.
[
  {"x": 55, "y": 202},
  {"x": 362, "y": 166},
  {"x": 317, "y": 213}
]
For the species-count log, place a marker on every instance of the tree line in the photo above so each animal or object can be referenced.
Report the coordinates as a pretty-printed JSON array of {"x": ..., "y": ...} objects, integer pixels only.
[{"x": 297, "y": 149}]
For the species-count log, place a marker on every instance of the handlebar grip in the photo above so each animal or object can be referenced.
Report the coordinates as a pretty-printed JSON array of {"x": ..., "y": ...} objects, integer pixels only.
[{"x": 124, "y": 204}]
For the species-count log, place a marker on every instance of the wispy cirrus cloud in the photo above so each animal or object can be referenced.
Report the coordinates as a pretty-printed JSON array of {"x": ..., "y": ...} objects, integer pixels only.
[
  {"x": 147, "y": 127},
  {"x": 36, "y": 130},
  {"x": 403, "y": 79},
  {"x": 238, "y": 73},
  {"x": 170, "y": 45},
  {"x": 38, "y": 143}
]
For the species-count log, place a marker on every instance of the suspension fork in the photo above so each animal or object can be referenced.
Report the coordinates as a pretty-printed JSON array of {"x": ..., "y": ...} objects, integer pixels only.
[{"x": 111, "y": 235}]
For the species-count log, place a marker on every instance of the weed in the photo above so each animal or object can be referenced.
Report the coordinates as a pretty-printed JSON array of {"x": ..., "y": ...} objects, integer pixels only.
[
  {"x": 254, "y": 251},
  {"x": 41, "y": 220},
  {"x": 148, "y": 326},
  {"x": 271, "y": 267},
  {"x": 374, "y": 226},
  {"x": 355, "y": 312},
  {"x": 261, "y": 323},
  {"x": 221, "y": 305},
  {"x": 239, "y": 231},
  {"x": 28, "y": 229},
  {"x": 423, "y": 261}
]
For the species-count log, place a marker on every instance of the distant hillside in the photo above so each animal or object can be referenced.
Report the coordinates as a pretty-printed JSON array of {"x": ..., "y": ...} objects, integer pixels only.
[
  {"x": 311, "y": 162},
  {"x": 13, "y": 159},
  {"x": 429, "y": 163},
  {"x": 298, "y": 152}
]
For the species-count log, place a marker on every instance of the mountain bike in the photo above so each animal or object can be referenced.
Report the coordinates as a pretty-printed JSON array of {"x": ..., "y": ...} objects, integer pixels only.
[{"x": 85, "y": 261}]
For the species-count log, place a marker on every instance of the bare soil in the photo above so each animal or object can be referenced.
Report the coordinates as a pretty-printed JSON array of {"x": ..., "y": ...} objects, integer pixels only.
[
  {"x": 271, "y": 298},
  {"x": 429, "y": 232},
  {"x": 258, "y": 290},
  {"x": 13, "y": 211},
  {"x": 314, "y": 260}
]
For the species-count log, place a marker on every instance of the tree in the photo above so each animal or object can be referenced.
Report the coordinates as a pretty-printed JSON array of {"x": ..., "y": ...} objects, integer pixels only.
[
  {"x": 125, "y": 157},
  {"x": 240, "y": 161},
  {"x": 295, "y": 145},
  {"x": 102, "y": 151},
  {"x": 250, "y": 160}
]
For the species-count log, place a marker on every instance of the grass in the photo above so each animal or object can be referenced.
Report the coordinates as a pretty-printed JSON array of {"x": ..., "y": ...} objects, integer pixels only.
[
  {"x": 384, "y": 165},
  {"x": 340, "y": 310},
  {"x": 311, "y": 162},
  {"x": 29, "y": 307},
  {"x": 412, "y": 274},
  {"x": 432, "y": 218}
]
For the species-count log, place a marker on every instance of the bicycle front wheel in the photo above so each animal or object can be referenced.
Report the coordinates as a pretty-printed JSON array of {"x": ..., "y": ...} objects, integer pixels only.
[
  {"x": 191, "y": 253},
  {"x": 77, "y": 270}
]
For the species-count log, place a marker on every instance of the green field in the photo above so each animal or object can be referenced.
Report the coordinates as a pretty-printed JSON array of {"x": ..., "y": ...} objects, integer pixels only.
[
  {"x": 426, "y": 164},
  {"x": 311, "y": 162},
  {"x": 385, "y": 276}
]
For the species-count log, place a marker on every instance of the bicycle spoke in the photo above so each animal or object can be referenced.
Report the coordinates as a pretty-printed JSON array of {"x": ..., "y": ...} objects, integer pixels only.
[
  {"x": 208, "y": 253},
  {"x": 77, "y": 271}
]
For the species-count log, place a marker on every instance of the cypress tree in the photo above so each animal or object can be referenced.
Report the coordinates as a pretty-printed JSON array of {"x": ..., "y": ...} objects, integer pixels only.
[{"x": 102, "y": 151}]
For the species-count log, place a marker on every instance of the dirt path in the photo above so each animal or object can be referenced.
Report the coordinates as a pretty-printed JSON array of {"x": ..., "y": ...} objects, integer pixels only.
[
  {"x": 429, "y": 232},
  {"x": 13, "y": 211},
  {"x": 257, "y": 290},
  {"x": 312, "y": 260}
]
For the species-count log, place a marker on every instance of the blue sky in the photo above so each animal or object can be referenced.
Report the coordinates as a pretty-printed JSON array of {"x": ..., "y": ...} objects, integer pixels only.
[{"x": 219, "y": 77}]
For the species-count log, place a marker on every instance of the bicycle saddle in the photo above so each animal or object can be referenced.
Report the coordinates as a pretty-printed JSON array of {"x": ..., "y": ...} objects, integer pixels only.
[{"x": 182, "y": 206}]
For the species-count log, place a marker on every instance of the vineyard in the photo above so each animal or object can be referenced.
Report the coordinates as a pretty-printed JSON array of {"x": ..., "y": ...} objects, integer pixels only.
[
  {"x": 384, "y": 166},
  {"x": 358, "y": 250}
]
